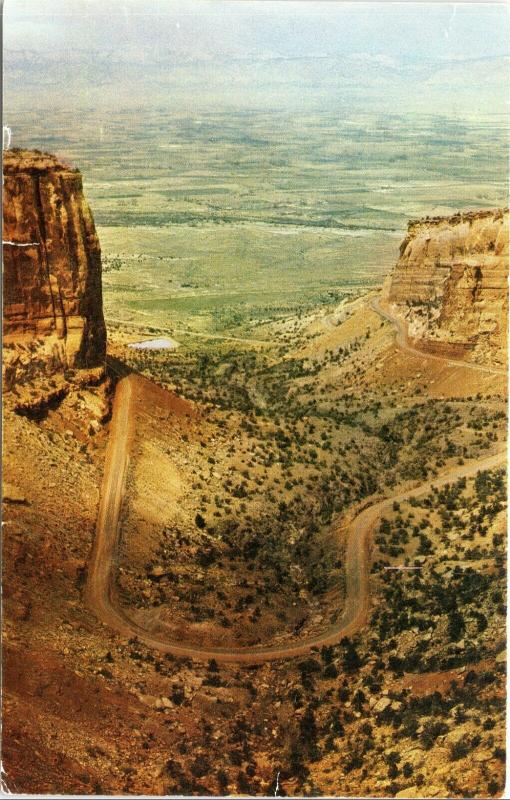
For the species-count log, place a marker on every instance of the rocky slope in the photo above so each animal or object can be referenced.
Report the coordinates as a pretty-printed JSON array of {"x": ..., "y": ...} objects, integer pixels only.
[
  {"x": 450, "y": 284},
  {"x": 53, "y": 312}
]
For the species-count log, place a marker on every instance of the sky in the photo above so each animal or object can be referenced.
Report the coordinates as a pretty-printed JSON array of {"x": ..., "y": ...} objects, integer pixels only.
[
  {"x": 256, "y": 53},
  {"x": 288, "y": 28}
]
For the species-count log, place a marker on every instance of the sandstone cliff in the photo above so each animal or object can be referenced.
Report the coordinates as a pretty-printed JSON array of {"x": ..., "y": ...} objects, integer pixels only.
[
  {"x": 450, "y": 284},
  {"x": 52, "y": 266}
]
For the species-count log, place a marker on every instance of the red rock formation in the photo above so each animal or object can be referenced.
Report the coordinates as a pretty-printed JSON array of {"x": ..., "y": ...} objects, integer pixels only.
[
  {"x": 451, "y": 284},
  {"x": 52, "y": 262}
]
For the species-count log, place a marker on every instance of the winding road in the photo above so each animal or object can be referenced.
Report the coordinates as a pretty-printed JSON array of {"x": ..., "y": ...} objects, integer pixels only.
[
  {"x": 100, "y": 587},
  {"x": 403, "y": 342}
]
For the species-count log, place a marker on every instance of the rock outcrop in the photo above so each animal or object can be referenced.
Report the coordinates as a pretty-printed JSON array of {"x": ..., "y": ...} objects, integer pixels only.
[
  {"x": 52, "y": 265},
  {"x": 450, "y": 284}
]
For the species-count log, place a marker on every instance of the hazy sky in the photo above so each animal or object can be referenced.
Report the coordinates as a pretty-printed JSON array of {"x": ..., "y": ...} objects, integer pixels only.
[
  {"x": 211, "y": 54},
  {"x": 212, "y": 28}
]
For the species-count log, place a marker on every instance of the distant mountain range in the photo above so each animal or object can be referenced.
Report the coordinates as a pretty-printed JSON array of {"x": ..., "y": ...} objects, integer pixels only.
[{"x": 181, "y": 77}]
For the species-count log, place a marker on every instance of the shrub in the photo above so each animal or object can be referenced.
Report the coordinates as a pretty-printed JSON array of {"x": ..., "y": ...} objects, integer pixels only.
[
  {"x": 459, "y": 750},
  {"x": 431, "y": 731},
  {"x": 309, "y": 666},
  {"x": 222, "y": 779},
  {"x": 200, "y": 766},
  {"x": 393, "y": 771},
  {"x": 500, "y": 753},
  {"x": 456, "y": 625},
  {"x": 330, "y": 671}
]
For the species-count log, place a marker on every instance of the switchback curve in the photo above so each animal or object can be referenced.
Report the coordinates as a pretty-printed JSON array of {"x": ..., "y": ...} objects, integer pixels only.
[{"x": 100, "y": 586}]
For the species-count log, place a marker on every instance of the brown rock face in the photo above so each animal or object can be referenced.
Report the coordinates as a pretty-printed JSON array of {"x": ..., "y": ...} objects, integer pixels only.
[
  {"x": 451, "y": 284},
  {"x": 52, "y": 262}
]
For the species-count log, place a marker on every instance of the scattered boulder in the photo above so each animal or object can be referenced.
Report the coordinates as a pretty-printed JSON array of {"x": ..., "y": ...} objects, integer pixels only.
[
  {"x": 382, "y": 705},
  {"x": 73, "y": 567},
  {"x": 415, "y": 757},
  {"x": 157, "y": 572},
  {"x": 455, "y": 736},
  {"x": 94, "y": 427},
  {"x": 163, "y": 702},
  {"x": 410, "y": 793},
  {"x": 483, "y": 756}
]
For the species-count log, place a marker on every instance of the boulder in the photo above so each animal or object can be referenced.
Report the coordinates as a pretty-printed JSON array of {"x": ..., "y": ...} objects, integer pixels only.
[{"x": 382, "y": 705}]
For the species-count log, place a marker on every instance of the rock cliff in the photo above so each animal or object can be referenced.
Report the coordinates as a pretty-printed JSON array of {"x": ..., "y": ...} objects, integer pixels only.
[
  {"x": 450, "y": 284},
  {"x": 52, "y": 265}
]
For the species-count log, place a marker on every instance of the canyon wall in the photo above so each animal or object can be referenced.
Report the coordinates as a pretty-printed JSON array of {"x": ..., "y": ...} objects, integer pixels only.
[
  {"x": 52, "y": 265},
  {"x": 450, "y": 285}
]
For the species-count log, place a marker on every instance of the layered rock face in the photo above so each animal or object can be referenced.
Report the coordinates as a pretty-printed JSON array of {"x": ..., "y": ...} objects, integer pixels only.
[
  {"x": 451, "y": 284},
  {"x": 52, "y": 264}
]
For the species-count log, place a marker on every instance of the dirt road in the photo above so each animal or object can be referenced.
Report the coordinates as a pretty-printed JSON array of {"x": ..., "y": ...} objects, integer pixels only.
[
  {"x": 100, "y": 580},
  {"x": 153, "y": 332},
  {"x": 100, "y": 588},
  {"x": 403, "y": 342}
]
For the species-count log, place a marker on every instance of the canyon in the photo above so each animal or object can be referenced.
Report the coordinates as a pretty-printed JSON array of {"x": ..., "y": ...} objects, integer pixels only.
[{"x": 239, "y": 481}]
